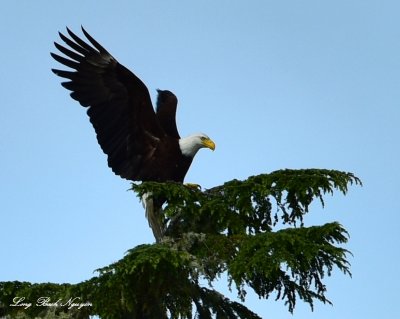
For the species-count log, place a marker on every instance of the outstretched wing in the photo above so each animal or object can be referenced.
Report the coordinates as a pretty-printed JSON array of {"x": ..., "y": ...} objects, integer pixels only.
[
  {"x": 118, "y": 102},
  {"x": 166, "y": 112}
]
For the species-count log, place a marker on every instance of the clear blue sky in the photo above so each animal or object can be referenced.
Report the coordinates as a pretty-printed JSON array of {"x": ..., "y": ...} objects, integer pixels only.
[{"x": 276, "y": 84}]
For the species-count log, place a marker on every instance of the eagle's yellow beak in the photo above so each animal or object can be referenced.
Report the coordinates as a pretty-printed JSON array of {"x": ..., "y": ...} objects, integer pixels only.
[{"x": 209, "y": 144}]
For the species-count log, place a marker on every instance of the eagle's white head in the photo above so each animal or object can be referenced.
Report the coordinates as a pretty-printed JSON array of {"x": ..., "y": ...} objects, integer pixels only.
[{"x": 191, "y": 144}]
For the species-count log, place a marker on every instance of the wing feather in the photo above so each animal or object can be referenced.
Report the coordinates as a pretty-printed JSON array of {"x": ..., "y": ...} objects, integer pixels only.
[
  {"x": 80, "y": 42},
  {"x": 71, "y": 54},
  {"x": 118, "y": 102},
  {"x": 72, "y": 44},
  {"x": 166, "y": 112},
  {"x": 67, "y": 62}
]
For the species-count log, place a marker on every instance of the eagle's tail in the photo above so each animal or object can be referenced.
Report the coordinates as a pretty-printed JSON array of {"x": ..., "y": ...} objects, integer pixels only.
[{"x": 154, "y": 215}]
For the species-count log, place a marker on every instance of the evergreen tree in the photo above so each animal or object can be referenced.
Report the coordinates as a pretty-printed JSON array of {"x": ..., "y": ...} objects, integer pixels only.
[{"x": 251, "y": 230}]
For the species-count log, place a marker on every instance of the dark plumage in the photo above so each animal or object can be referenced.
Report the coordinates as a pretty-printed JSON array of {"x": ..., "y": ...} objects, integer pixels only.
[{"x": 141, "y": 144}]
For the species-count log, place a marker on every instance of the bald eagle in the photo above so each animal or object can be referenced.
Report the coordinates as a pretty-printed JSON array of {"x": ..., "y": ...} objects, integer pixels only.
[{"x": 141, "y": 144}]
